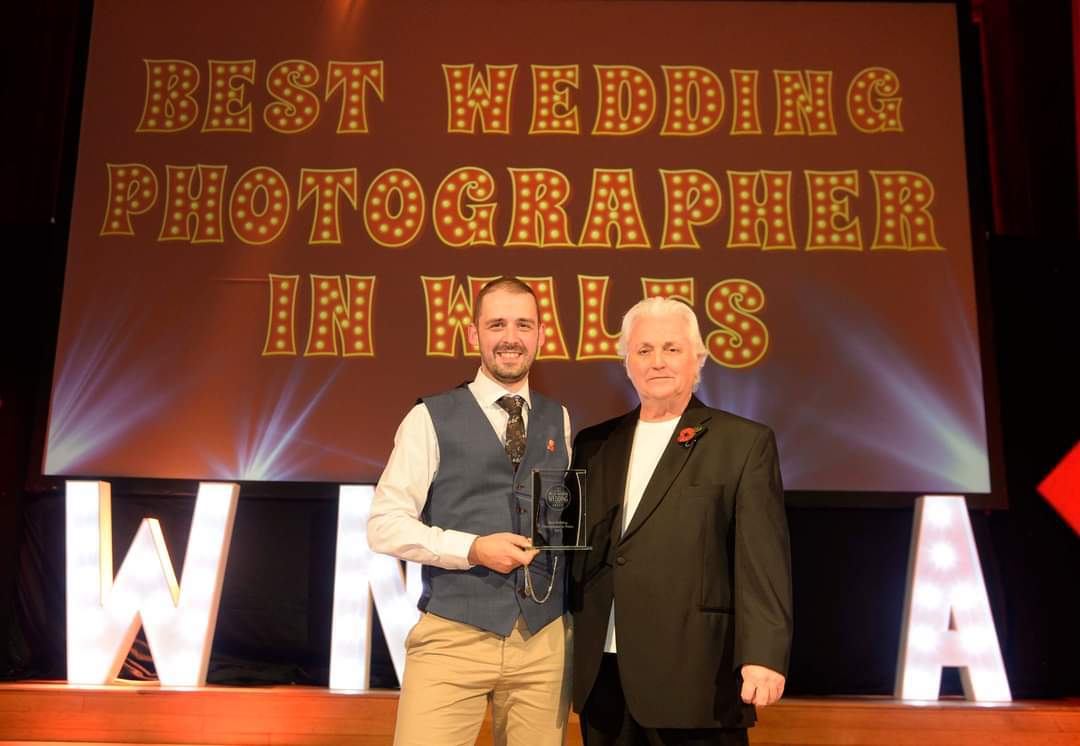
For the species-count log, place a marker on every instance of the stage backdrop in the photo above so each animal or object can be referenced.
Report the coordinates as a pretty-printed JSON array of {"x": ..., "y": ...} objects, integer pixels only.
[{"x": 283, "y": 210}]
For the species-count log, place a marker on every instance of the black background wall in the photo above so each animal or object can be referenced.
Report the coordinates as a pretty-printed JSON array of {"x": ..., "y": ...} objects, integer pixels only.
[{"x": 849, "y": 564}]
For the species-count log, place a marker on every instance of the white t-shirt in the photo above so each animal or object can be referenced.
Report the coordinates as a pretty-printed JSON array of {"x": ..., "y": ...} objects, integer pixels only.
[{"x": 650, "y": 440}]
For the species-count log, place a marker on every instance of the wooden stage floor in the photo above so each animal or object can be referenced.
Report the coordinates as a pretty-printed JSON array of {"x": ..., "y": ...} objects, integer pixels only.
[{"x": 43, "y": 713}]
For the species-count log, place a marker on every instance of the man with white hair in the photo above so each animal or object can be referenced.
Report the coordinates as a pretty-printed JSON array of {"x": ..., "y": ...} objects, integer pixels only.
[{"x": 682, "y": 610}]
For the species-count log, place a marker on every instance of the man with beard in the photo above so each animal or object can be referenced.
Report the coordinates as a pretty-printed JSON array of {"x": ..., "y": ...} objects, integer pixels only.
[
  {"x": 682, "y": 610},
  {"x": 454, "y": 497}
]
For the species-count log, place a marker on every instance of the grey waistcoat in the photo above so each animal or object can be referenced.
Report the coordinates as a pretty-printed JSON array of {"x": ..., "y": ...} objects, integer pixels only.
[{"x": 477, "y": 491}]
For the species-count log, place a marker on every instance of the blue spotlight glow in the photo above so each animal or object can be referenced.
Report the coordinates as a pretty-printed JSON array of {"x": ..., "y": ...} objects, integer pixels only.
[
  {"x": 883, "y": 413},
  {"x": 265, "y": 445},
  {"x": 97, "y": 397}
]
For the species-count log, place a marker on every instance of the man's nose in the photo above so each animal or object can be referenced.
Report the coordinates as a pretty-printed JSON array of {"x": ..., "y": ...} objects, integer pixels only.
[{"x": 657, "y": 360}]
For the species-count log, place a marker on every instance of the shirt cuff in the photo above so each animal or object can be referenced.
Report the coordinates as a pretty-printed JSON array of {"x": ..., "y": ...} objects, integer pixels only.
[{"x": 455, "y": 549}]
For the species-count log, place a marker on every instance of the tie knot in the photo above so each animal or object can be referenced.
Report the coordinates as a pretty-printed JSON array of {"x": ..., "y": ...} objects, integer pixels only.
[{"x": 512, "y": 404}]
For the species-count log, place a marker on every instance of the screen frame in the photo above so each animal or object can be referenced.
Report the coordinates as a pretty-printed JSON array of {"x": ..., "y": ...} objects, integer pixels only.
[{"x": 976, "y": 145}]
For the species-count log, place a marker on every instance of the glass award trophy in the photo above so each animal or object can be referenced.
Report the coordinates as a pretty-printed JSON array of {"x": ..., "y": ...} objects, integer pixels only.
[{"x": 558, "y": 509}]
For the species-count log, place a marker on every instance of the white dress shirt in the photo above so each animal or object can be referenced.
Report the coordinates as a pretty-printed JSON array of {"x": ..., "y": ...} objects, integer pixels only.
[
  {"x": 650, "y": 440},
  {"x": 395, "y": 527}
]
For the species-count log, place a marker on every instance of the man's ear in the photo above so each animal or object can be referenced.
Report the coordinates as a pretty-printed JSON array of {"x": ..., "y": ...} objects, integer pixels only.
[{"x": 474, "y": 335}]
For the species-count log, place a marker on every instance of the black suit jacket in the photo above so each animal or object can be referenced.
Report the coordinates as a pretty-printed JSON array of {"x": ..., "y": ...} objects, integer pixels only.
[{"x": 701, "y": 578}]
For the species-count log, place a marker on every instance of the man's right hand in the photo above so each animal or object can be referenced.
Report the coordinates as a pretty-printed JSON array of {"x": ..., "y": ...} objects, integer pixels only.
[{"x": 501, "y": 552}]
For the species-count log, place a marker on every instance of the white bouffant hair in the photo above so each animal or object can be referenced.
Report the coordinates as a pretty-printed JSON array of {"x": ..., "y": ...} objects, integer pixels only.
[{"x": 658, "y": 306}]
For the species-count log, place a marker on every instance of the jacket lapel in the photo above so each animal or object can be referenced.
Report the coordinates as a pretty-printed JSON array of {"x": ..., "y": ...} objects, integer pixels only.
[
  {"x": 667, "y": 469},
  {"x": 615, "y": 457}
]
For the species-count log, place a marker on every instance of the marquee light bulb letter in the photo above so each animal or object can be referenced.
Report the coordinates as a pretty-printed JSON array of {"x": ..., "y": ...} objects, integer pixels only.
[
  {"x": 361, "y": 575},
  {"x": 104, "y": 614},
  {"x": 947, "y": 620}
]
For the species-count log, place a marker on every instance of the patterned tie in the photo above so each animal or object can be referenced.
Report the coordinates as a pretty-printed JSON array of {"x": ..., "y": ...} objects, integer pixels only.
[{"x": 515, "y": 428}]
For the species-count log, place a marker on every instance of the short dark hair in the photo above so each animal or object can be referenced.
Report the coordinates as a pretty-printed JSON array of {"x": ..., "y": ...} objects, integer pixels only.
[{"x": 510, "y": 284}]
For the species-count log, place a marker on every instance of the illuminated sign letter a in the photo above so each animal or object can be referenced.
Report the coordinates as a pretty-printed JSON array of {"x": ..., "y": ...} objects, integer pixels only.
[{"x": 947, "y": 619}]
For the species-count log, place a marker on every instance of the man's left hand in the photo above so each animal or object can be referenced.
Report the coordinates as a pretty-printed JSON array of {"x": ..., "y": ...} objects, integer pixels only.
[{"x": 761, "y": 686}]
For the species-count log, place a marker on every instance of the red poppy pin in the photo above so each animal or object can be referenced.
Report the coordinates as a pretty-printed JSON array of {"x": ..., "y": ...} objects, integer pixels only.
[
  {"x": 688, "y": 435},
  {"x": 551, "y": 445}
]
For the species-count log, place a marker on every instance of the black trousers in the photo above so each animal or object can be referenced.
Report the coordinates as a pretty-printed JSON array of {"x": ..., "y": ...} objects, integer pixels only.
[{"x": 606, "y": 721}]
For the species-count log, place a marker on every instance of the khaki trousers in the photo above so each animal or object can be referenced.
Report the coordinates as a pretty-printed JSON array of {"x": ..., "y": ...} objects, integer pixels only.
[{"x": 453, "y": 670}]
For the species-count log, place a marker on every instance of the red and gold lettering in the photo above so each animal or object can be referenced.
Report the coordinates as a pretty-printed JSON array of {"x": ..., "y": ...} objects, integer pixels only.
[
  {"x": 627, "y": 100},
  {"x": 539, "y": 218},
  {"x": 872, "y": 101},
  {"x": 394, "y": 208},
  {"x": 341, "y": 314},
  {"x": 764, "y": 223},
  {"x": 594, "y": 340},
  {"x": 614, "y": 203},
  {"x": 745, "y": 119},
  {"x": 804, "y": 105},
  {"x": 226, "y": 110},
  {"x": 280, "y": 325},
  {"x": 742, "y": 339},
  {"x": 326, "y": 184},
  {"x": 259, "y": 205},
  {"x": 668, "y": 287},
  {"x": 469, "y": 95},
  {"x": 193, "y": 198},
  {"x": 296, "y": 107},
  {"x": 460, "y": 224},
  {"x": 830, "y": 223},
  {"x": 552, "y": 346},
  {"x": 691, "y": 197},
  {"x": 552, "y": 111},
  {"x": 449, "y": 313},
  {"x": 133, "y": 189},
  {"x": 695, "y": 100},
  {"x": 354, "y": 78},
  {"x": 903, "y": 212},
  {"x": 170, "y": 104}
]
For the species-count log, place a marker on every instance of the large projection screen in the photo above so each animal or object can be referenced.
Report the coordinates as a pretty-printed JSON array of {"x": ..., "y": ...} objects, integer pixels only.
[{"x": 283, "y": 209}]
